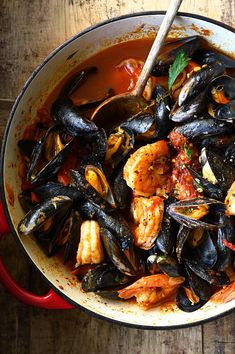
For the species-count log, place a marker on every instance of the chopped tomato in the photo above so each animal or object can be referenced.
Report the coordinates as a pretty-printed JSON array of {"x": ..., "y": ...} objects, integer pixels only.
[
  {"x": 229, "y": 245},
  {"x": 70, "y": 163}
]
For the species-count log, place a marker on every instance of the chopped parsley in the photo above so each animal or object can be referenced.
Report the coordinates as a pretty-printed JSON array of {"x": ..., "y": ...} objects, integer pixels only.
[{"x": 188, "y": 152}]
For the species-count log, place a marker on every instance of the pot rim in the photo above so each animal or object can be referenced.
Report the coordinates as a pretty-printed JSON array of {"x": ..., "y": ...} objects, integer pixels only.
[{"x": 3, "y": 148}]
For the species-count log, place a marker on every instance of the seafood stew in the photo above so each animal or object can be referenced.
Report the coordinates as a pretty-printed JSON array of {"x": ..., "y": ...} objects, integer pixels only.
[{"x": 144, "y": 210}]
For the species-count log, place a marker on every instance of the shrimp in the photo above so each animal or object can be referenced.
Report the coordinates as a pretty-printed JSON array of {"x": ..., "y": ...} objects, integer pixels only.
[
  {"x": 145, "y": 170},
  {"x": 147, "y": 214},
  {"x": 225, "y": 295},
  {"x": 152, "y": 290},
  {"x": 90, "y": 250},
  {"x": 230, "y": 200}
]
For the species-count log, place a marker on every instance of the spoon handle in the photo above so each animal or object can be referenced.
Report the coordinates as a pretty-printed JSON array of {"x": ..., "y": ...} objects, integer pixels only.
[{"x": 156, "y": 47}]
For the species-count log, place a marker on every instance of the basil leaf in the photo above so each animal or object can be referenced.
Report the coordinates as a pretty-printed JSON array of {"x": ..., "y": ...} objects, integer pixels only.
[{"x": 180, "y": 62}]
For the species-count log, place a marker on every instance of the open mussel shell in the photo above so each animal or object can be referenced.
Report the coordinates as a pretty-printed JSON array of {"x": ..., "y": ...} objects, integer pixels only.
[
  {"x": 37, "y": 216},
  {"x": 203, "y": 127},
  {"x": 209, "y": 189},
  {"x": 190, "y": 110},
  {"x": 191, "y": 213},
  {"x": 218, "y": 170},
  {"x": 67, "y": 234},
  {"x": 67, "y": 115},
  {"x": 120, "y": 143},
  {"x": 186, "y": 304},
  {"x": 212, "y": 277},
  {"x": 188, "y": 44},
  {"x": 199, "y": 286},
  {"x": 199, "y": 80},
  {"x": 222, "y": 84},
  {"x": 116, "y": 254},
  {"x": 104, "y": 276},
  {"x": 226, "y": 112},
  {"x": 48, "y": 156},
  {"x": 221, "y": 142},
  {"x": 95, "y": 175},
  {"x": 77, "y": 80},
  {"x": 87, "y": 191},
  {"x": 162, "y": 111}
]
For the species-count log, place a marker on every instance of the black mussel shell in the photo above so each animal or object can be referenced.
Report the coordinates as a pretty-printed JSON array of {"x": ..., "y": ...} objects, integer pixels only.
[
  {"x": 210, "y": 190},
  {"x": 184, "y": 303},
  {"x": 99, "y": 145},
  {"x": 205, "y": 56},
  {"x": 203, "y": 127},
  {"x": 199, "y": 80},
  {"x": 181, "y": 239},
  {"x": 94, "y": 174},
  {"x": 104, "y": 276},
  {"x": 223, "y": 172},
  {"x": 53, "y": 189},
  {"x": 122, "y": 192},
  {"x": 199, "y": 286},
  {"x": 190, "y": 110},
  {"x": 114, "y": 222},
  {"x": 140, "y": 124},
  {"x": 188, "y": 44},
  {"x": 26, "y": 201},
  {"x": 115, "y": 253},
  {"x": 37, "y": 216},
  {"x": 225, "y": 233},
  {"x": 206, "y": 252},
  {"x": 162, "y": 111},
  {"x": 167, "y": 235},
  {"x": 77, "y": 80},
  {"x": 52, "y": 152},
  {"x": 198, "y": 212},
  {"x": 223, "y": 83},
  {"x": 87, "y": 191},
  {"x": 67, "y": 234},
  {"x": 226, "y": 112},
  {"x": 221, "y": 142},
  {"x": 120, "y": 143},
  {"x": 169, "y": 266},
  {"x": 211, "y": 276},
  {"x": 66, "y": 114}
]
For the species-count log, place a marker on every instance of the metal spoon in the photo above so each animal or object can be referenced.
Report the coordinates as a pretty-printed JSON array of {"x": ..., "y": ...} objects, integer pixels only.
[{"x": 116, "y": 109}]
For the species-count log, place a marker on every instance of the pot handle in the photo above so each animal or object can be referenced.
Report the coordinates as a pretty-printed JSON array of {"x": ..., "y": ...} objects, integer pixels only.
[{"x": 49, "y": 301}]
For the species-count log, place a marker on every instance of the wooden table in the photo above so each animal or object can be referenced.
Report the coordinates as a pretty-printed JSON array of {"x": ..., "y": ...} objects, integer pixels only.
[{"x": 30, "y": 30}]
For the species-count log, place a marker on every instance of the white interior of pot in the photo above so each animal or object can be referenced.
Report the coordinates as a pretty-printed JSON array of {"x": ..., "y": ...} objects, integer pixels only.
[{"x": 34, "y": 94}]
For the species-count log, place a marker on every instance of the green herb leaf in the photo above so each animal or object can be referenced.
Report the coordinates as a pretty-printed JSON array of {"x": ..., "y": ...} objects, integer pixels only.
[
  {"x": 180, "y": 62},
  {"x": 188, "y": 152}
]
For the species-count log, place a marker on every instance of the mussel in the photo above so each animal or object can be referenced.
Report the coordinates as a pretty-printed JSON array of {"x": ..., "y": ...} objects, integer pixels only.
[
  {"x": 188, "y": 44},
  {"x": 188, "y": 301},
  {"x": 192, "y": 212},
  {"x": 77, "y": 80},
  {"x": 120, "y": 258},
  {"x": 104, "y": 276},
  {"x": 37, "y": 216},
  {"x": 206, "y": 56},
  {"x": 120, "y": 143},
  {"x": 162, "y": 111},
  {"x": 199, "y": 80},
  {"x": 48, "y": 155},
  {"x": 203, "y": 127},
  {"x": 67, "y": 115}
]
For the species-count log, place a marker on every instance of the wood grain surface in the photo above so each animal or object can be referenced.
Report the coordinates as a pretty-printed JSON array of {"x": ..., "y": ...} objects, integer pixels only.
[{"x": 29, "y": 31}]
